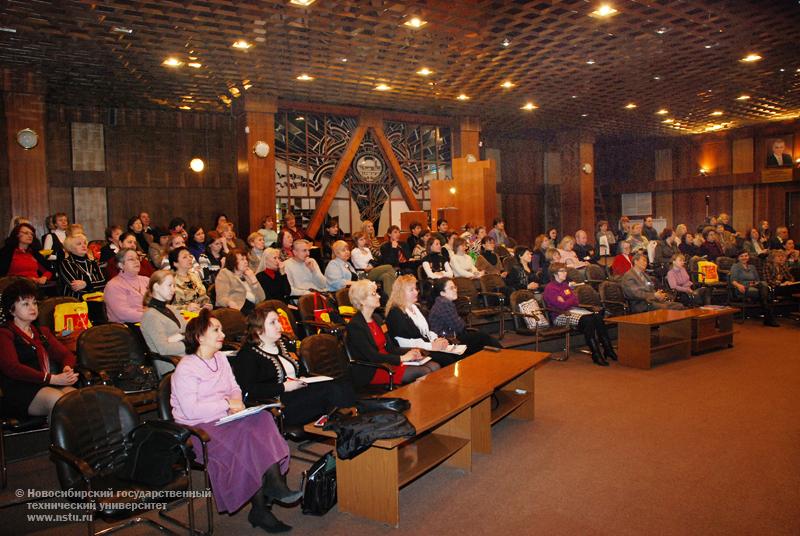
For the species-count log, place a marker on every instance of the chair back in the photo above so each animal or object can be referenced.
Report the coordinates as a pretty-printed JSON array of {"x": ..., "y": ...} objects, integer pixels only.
[
  {"x": 323, "y": 354},
  {"x": 596, "y": 273},
  {"x": 724, "y": 265},
  {"x": 517, "y": 297},
  {"x": 278, "y": 305},
  {"x": 421, "y": 275},
  {"x": 343, "y": 297},
  {"x": 613, "y": 297},
  {"x": 466, "y": 289},
  {"x": 108, "y": 348},
  {"x": 7, "y": 280},
  {"x": 47, "y": 310},
  {"x": 508, "y": 263},
  {"x": 587, "y": 295},
  {"x": 211, "y": 292},
  {"x": 92, "y": 423},
  {"x": 164, "y": 395},
  {"x": 234, "y": 324},
  {"x": 492, "y": 283}
]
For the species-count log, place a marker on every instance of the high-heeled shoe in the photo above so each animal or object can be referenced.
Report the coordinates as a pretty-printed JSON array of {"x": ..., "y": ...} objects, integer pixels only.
[
  {"x": 274, "y": 487},
  {"x": 597, "y": 355},
  {"x": 608, "y": 348},
  {"x": 261, "y": 515}
]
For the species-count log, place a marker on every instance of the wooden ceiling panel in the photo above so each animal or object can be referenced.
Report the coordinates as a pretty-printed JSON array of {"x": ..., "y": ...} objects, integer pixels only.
[{"x": 679, "y": 55}]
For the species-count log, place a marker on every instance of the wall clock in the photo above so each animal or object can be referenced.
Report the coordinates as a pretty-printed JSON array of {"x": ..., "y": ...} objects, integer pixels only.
[
  {"x": 27, "y": 139},
  {"x": 261, "y": 149}
]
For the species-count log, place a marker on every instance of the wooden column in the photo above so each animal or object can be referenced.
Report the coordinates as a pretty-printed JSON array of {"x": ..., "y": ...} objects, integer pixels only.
[
  {"x": 24, "y": 102},
  {"x": 255, "y": 121},
  {"x": 577, "y": 186},
  {"x": 467, "y": 138}
]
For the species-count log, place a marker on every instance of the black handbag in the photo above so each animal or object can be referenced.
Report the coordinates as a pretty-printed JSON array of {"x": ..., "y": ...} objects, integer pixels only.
[
  {"x": 365, "y": 405},
  {"x": 135, "y": 378},
  {"x": 357, "y": 433},
  {"x": 319, "y": 486},
  {"x": 156, "y": 450}
]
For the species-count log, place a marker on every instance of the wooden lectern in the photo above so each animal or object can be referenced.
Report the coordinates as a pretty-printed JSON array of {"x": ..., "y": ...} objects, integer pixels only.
[{"x": 472, "y": 192}]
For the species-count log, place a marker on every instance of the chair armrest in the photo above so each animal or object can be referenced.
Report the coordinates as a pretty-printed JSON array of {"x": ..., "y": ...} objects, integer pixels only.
[
  {"x": 323, "y": 325},
  {"x": 171, "y": 359},
  {"x": 590, "y": 307},
  {"x": 380, "y": 366},
  {"x": 499, "y": 295},
  {"x": 76, "y": 463}
]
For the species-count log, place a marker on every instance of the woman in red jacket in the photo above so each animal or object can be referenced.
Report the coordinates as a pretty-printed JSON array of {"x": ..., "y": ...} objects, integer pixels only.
[
  {"x": 20, "y": 256},
  {"x": 31, "y": 384},
  {"x": 622, "y": 262}
]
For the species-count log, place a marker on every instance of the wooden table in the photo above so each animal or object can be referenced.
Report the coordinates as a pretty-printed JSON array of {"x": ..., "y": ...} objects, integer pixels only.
[
  {"x": 369, "y": 484},
  {"x": 654, "y": 336},
  {"x": 509, "y": 375},
  {"x": 712, "y": 329}
]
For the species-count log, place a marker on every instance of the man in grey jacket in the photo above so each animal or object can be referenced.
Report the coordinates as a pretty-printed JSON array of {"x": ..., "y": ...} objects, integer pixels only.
[{"x": 640, "y": 290}]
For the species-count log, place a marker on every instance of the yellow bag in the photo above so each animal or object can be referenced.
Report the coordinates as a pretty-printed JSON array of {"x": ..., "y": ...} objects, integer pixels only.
[
  {"x": 71, "y": 317},
  {"x": 286, "y": 324},
  {"x": 707, "y": 272},
  {"x": 94, "y": 296}
]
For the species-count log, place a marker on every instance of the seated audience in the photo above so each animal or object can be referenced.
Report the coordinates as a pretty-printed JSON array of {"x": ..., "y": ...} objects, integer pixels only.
[
  {"x": 434, "y": 264},
  {"x": 461, "y": 263},
  {"x": 444, "y": 319},
  {"x": 303, "y": 271},
  {"x": 777, "y": 274},
  {"x": 488, "y": 261},
  {"x": 54, "y": 240},
  {"x": 584, "y": 251},
  {"x": 231, "y": 240},
  {"x": 559, "y": 297},
  {"x": 255, "y": 241},
  {"x": 190, "y": 293},
  {"x": 568, "y": 255},
  {"x": 520, "y": 276},
  {"x": 407, "y": 324},
  {"x": 197, "y": 242},
  {"x": 666, "y": 248},
  {"x": 648, "y": 230},
  {"x": 136, "y": 227},
  {"x": 475, "y": 241},
  {"x": 248, "y": 458},
  {"x": 414, "y": 238},
  {"x": 212, "y": 259},
  {"x": 331, "y": 235},
  {"x": 163, "y": 325},
  {"x": 144, "y": 217},
  {"x": 177, "y": 226},
  {"x": 498, "y": 233},
  {"x": 622, "y": 262},
  {"x": 20, "y": 255},
  {"x": 623, "y": 229},
  {"x": 339, "y": 272},
  {"x": 158, "y": 247},
  {"x": 128, "y": 241},
  {"x": 636, "y": 239},
  {"x": 267, "y": 230},
  {"x": 764, "y": 231},
  {"x": 754, "y": 245},
  {"x": 236, "y": 284},
  {"x": 35, "y": 368},
  {"x": 552, "y": 235},
  {"x": 112, "y": 246},
  {"x": 367, "y": 342},
  {"x": 679, "y": 281},
  {"x": 290, "y": 224},
  {"x": 124, "y": 294},
  {"x": 747, "y": 284},
  {"x": 373, "y": 242},
  {"x": 361, "y": 258},
  {"x": 540, "y": 246},
  {"x": 779, "y": 240},
  {"x": 711, "y": 248},
  {"x": 551, "y": 255},
  {"x": 272, "y": 278},
  {"x": 448, "y": 249},
  {"x": 286, "y": 241},
  {"x": 640, "y": 290},
  {"x": 391, "y": 251},
  {"x": 77, "y": 273},
  {"x": 175, "y": 241},
  {"x": 264, "y": 370},
  {"x": 725, "y": 220},
  {"x": 606, "y": 240},
  {"x": 420, "y": 250},
  {"x": 792, "y": 254}
]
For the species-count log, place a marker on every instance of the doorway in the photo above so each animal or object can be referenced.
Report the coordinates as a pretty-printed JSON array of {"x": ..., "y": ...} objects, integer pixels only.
[{"x": 793, "y": 214}]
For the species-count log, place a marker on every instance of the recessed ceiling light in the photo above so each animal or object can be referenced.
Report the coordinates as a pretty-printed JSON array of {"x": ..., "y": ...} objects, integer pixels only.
[
  {"x": 750, "y": 58},
  {"x": 661, "y": 31},
  {"x": 668, "y": 121},
  {"x": 603, "y": 11},
  {"x": 343, "y": 60},
  {"x": 424, "y": 72},
  {"x": 717, "y": 112},
  {"x": 506, "y": 43},
  {"x": 7, "y": 29},
  {"x": 382, "y": 87},
  {"x": 574, "y": 96},
  {"x": 197, "y": 165},
  {"x": 305, "y": 78},
  {"x": 194, "y": 65},
  {"x": 122, "y": 30},
  {"x": 590, "y": 62},
  {"x": 782, "y": 70},
  {"x": 247, "y": 86},
  {"x": 234, "y": 91},
  {"x": 508, "y": 84},
  {"x": 630, "y": 106},
  {"x": 415, "y": 22},
  {"x": 708, "y": 46},
  {"x": 302, "y": 3},
  {"x": 241, "y": 44},
  {"x": 662, "y": 111},
  {"x": 743, "y": 97},
  {"x": 300, "y": 118},
  {"x": 184, "y": 107},
  {"x": 462, "y": 97},
  {"x": 656, "y": 77},
  {"x": 529, "y": 106},
  {"x": 584, "y": 115},
  {"x": 172, "y": 62}
]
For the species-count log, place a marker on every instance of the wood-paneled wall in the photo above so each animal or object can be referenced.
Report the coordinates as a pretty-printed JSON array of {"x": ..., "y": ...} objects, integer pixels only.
[{"x": 147, "y": 163}]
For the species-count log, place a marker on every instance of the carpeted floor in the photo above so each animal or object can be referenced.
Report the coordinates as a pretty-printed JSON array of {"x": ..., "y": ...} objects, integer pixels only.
[{"x": 709, "y": 445}]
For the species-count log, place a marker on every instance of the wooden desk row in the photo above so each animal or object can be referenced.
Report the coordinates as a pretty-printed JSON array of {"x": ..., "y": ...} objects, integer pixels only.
[{"x": 451, "y": 410}]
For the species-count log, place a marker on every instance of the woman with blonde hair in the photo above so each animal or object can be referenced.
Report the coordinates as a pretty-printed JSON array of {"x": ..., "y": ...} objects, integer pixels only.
[
  {"x": 373, "y": 242},
  {"x": 368, "y": 342},
  {"x": 408, "y": 326},
  {"x": 77, "y": 273},
  {"x": 568, "y": 256}
]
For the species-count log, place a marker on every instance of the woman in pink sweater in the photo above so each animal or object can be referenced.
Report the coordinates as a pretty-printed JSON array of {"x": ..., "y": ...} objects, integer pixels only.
[
  {"x": 678, "y": 280},
  {"x": 247, "y": 458}
]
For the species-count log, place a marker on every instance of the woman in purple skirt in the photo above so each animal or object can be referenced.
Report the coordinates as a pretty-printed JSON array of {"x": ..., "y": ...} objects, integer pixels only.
[{"x": 247, "y": 458}]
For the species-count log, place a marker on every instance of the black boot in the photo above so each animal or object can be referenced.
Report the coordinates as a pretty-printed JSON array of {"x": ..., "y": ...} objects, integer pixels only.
[
  {"x": 274, "y": 487},
  {"x": 608, "y": 348},
  {"x": 597, "y": 356},
  {"x": 261, "y": 515},
  {"x": 769, "y": 319}
]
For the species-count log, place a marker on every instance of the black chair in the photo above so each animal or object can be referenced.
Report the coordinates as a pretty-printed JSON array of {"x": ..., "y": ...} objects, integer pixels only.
[
  {"x": 343, "y": 300},
  {"x": 11, "y": 427},
  {"x": 234, "y": 326},
  {"x": 306, "y": 306},
  {"x": 368, "y": 364},
  {"x": 104, "y": 351},
  {"x": 539, "y": 333},
  {"x": 596, "y": 274},
  {"x": 724, "y": 265},
  {"x": 211, "y": 292},
  {"x": 165, "y": 414},
  {"x": 588, "y": 298},
  {"x": 742, "y": 302},
  {"x": 480, "y": 303},
  {"x": 613, "y": 298},
  {"x": 89, "y": 446}
]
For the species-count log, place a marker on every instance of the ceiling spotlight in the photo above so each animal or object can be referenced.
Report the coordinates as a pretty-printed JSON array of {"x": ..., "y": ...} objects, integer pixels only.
[
  {"x": 197, "y": 165},
  {"x": 656, "y": 77},
  {"x": 506, "y": 43},
  {"x": 415, "y": 22},
  {"x": 750, "y": 58},
  {"x": 301, "y": 3},
  {"x": 462, "y": 97},
  {"x": 661, "y": 31},
  {"x": 299, "y": 118},
  {"x": 453, "y": 190},
  {"x": 122, "y": 30},
  {"x": 584, "y": 115},
  {"x": 343, "y": 60},
  {"x": 529, "y": 107},
  {"x": 574, "y": 96},
  {"x": 12, "y": 30},
  {"x": 590, "y": 62},
  {"x": 382, "y": 87},
  {"x": 668, "y": 121},
  {"x": 424, "y": 72},
  {"x": 630, "y": 106},
  {"x": 743, "y": 97},
  {"x": 603, "y": 11},
  {"x": 194, "y": 65},
  {"x": 717, "y": 112},
  {"x": 241, "y": 44},
  {"x": 508, "y": 84},
  {"x": 662, "y": 111},
  {"x": 172, "y": 62},
  {"x": 234, "y": 91},
  {"x": 703, "y": 172},
  {"x": 305, "y": 78}
]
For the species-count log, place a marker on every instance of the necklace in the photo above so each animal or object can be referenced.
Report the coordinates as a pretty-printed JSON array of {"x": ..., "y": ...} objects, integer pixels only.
[{"x": 207, "y": 365}]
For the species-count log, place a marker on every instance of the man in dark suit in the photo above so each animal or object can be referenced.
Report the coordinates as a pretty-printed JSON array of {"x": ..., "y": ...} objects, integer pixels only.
[
  {"x": 778, "y": 157},
  {"x": 640, "y": 290},
  {"x": 779, "y": 240}
]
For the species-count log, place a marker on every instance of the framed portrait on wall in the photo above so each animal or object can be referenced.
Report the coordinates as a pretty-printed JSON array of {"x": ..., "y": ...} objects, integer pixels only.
[{"x": 779, "y": 152}]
